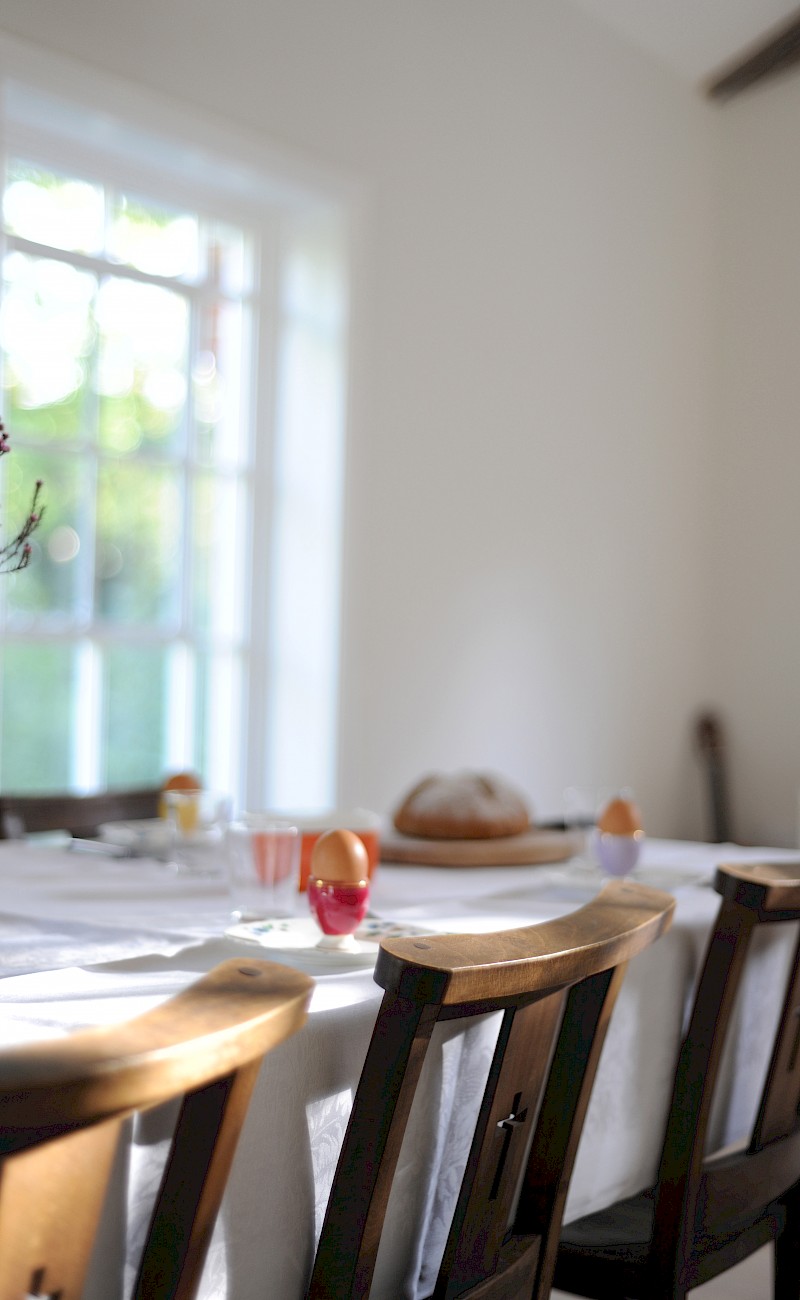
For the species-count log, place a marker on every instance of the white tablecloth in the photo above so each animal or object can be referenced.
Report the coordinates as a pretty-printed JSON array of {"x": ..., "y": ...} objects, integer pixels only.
[{"x": 88, "y": 940}]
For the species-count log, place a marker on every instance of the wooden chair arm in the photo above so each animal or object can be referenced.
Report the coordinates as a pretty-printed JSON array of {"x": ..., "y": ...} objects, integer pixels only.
[
  {"x": 770, "y": 889},
  {"x": 622, "y": 920},
  {"x": 163, "y": 1052}
]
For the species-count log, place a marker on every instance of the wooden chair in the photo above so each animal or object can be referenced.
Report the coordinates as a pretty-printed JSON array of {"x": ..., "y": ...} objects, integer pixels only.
[
  {"x": 62, "y": 1105},
  {"x": 555, "y": 985},
  {"x": 708, "y": 1212},
  {"x": 81, "y": 814}
]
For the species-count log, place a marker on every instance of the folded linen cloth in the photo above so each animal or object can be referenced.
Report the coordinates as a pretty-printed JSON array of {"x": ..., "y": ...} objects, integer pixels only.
[{"x": 27, "y": 944}]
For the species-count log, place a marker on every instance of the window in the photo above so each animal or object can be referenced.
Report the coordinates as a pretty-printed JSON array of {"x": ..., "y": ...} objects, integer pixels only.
[{"x": 173, "y": 369}]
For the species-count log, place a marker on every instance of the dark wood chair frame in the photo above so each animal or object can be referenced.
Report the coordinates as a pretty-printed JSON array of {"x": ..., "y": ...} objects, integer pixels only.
[
  {"x": 708, "y": 1212},
  {"x": 81, "y": 814},
  {"x": 555, "y": 985},
  {"x": 62, "y": 1105}
]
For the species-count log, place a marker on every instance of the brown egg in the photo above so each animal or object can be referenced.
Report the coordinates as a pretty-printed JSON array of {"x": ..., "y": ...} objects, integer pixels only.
[
  {"x": 620, "y": 817},
  {"x": 339, "y": 855},
  {"x": 182, "y": 781}
]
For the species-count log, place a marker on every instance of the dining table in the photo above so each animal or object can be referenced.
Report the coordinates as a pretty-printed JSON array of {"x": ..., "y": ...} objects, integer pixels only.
[{"x": 92, "y": 935}]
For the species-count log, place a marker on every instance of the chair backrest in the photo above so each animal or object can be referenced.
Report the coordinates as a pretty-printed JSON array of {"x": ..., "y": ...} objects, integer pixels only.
[
  {"x": 555, "y": 985},
  {"x": 81, "y": 814},
  {"x": 62, "y": 1105},
  {"x": 700, "y": 1196}
]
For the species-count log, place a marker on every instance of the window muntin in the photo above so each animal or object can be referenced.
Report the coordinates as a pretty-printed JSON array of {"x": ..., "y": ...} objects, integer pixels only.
[
  {"x": 260, "y": 712},
  {"x": 116, "y": 387}
]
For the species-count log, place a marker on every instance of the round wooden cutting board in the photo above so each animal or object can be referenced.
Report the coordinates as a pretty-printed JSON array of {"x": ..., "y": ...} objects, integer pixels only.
[{"x": 530, "y": 848}]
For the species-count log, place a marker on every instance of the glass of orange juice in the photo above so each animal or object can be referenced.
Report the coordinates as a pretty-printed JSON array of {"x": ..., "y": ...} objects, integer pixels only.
[{"x": 198, "y": 819}]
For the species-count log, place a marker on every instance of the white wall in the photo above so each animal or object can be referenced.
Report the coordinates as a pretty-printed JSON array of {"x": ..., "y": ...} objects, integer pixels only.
[
  {"x": 755, "y": 633},
  {"x": 527, "y": 550}
]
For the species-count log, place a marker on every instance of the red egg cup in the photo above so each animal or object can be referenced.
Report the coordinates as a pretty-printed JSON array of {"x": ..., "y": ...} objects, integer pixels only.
[{"x": 338, "y": 907}]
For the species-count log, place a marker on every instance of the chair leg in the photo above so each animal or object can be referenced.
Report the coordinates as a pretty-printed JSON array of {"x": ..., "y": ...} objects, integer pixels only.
[
  {"x": 666, "y": 1289},
  {"x": 787, "y": 1253}
]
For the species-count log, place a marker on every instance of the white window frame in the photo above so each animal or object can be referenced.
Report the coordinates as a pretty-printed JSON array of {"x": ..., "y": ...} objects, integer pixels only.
[{"x": 163, "y": 150}]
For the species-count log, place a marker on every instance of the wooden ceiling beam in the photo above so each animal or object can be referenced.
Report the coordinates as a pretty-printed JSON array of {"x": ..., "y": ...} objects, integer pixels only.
[{"x": 776, "y": 54}]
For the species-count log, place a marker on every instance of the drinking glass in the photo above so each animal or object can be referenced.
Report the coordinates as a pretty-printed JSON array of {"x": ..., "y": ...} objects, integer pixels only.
[
  {"x": 198, "y": 819},
  {"x": 263, "y": 860},
  {"x": 579, "y": 820}
]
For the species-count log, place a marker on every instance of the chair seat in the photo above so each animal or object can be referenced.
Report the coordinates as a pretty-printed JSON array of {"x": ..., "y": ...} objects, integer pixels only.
[
  {"x": 598, "y": 1249},
  {"x": 618, "y": 1231}
]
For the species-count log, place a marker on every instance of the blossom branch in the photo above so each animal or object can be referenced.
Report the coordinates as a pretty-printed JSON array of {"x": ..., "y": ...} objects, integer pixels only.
[{"x": 15, "y": 555}]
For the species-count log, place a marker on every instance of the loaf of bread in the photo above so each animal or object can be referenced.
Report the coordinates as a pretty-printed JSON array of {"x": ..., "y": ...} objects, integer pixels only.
[{"x": 464, "y": 806}]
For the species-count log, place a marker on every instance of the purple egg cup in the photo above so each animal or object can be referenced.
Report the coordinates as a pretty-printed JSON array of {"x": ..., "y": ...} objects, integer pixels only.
[{"x": 617, "y": 855}]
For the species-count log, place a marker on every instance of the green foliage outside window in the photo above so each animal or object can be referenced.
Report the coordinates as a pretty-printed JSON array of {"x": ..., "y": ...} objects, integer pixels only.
[{"x": 111, "y": 385}]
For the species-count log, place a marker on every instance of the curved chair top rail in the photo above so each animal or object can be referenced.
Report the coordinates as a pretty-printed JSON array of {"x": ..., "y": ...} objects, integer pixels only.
[
  {"x": 771, "y": 889},
  {"x": 232, "y": 1016},
  {"x": 451, "y": 969}
]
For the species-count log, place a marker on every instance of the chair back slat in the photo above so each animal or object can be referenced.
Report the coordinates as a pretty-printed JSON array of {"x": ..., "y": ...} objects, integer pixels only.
[
  {"x": 695, "y": 1081},
  {"x": 778, "y": 1112},
  {"x": 348, "y": 1250},
  {"x": 502, "y": 1136},
  {"x": 530, "y": 975},
  {"x": 565, "y": 1102},
  {"x": 62, "y": 1104},
  {"x": 51, "y": 1199},
  {"x": 203, "y": 1147}
]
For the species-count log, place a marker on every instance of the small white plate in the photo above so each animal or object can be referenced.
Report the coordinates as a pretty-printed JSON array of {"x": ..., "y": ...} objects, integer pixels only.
[
  {"x": 150, "y": 836},
  {"x": 300, "y": 934}
]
